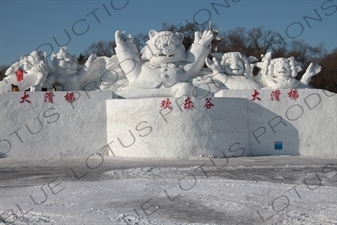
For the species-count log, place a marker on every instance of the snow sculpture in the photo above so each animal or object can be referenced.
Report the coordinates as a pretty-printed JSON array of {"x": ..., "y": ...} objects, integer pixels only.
[
  {"x": 33, "y": 72},
  {"x": 161, "y": 69},
  {"x": 68, "y": 73},
  {"x": 164, "y": 67},
  {"x": 280, "y": 73},
  {"x": 64, "y": 63},
  {"x": 235, "y": 70},
  {"x": 29, "y": 72}
]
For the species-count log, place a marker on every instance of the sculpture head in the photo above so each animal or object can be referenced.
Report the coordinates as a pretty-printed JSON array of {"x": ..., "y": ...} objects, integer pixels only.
[
  {"x": 284, "y": 67},
  {"x": 237, "y": 64},
  {"x": 35, "y": 61},
  {"x": 34, "y": 67},
  {"x": 27, "y": 62},
  {"x": 64, "y": 63},
  {"x": 164, "y": 47}
]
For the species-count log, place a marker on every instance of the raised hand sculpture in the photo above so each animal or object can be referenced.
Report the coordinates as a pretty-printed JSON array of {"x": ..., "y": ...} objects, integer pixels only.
[
  {"x": 234, "y": 70},
  {"x": 28, "y": 73},
  {"x": 163, "y": 64},
  {"x": 69, "y": 74},
  {"x": 280, "y": 73}
]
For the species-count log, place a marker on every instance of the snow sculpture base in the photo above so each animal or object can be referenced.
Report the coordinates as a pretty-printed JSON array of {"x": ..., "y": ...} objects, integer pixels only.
[
  {"x": 235, "y": 126},
  {"x": 97, "y": 122},
  {"x": 140, "y": 128}
]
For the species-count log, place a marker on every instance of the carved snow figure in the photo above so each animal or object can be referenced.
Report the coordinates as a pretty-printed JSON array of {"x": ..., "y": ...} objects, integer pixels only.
[
  {"x": 164, "y": 67},
  {"x": 29, "y": 72},
  {"x": 64, "y": 63},
  {"x": 74, "y": 77},
  {"x": 235, "y": 70},
  {"x": 67, "y": 72},
  {"x": 280, "y": 73}
]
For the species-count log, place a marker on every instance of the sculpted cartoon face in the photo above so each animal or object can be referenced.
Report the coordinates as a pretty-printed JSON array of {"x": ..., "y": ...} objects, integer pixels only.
[
  {"x": 234, "y": 66},
  {"x": 164, "y": 47},
  {"x": 282, "y": 69}
]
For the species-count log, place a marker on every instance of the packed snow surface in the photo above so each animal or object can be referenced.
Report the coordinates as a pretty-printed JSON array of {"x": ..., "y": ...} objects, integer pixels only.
[{"x": 113, "y": 190}]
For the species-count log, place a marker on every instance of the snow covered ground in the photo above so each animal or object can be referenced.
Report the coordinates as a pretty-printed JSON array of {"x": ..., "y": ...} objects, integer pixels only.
[{"x": 112, "y": 190}]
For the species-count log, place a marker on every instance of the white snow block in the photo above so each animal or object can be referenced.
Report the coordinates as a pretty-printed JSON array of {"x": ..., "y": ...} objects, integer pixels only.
[
  {"x": 234, "y": 126},
  {"x": 141, "y": 128},
  {"x": 308, "y": 126},
  {"x": 45, "y": 129}
]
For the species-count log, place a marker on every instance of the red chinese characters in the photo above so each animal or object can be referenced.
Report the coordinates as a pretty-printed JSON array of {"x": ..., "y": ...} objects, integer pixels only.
[
  {"x": 19, "y": 75},
  {"x": 293, "y": 94},
  {"x": 275, "y": 95},
  {"x": 188, "y": 104},
  {"x": 166, "y": 104},
  {"x": 69, "y": 97},
  {"x": 24, "y": 98},
  {"x": 48, "y": 97},
  {"x": 208, "y": 103},
  {"x": 255, "y": 96}
]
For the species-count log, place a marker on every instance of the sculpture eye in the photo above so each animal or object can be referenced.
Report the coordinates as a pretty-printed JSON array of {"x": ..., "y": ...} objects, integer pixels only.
[
  {"x": 164, "y": 42},
  {"x": 170, "y": 42}
]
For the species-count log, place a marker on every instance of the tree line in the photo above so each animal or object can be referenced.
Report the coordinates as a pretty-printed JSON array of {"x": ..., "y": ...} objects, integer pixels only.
[{"x": 252, "y": 42}]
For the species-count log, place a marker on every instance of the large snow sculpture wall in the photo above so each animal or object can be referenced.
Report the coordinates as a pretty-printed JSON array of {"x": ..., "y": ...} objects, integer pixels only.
[
  {"x": 234, "y": 125},
  {"x": 45, "y": 129}
]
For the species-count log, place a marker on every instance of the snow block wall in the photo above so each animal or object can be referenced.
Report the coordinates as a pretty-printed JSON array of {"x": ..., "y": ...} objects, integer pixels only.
[
  {"x": 308, "y": 126},
  {"x": 233, "y": 125},
  {"x": 44, "y": 129},
  {"x": 143, "y": 128}
]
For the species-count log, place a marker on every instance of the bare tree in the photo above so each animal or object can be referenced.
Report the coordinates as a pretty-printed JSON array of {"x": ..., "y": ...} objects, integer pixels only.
[
  {"x": 327, "y": 78},
  {"x": 235, "y": 41},
  {"x": 262, "y": 41},
  {"x": 253, "y": 42},
  {"x": 140, "y": 40},
  {"x": 81, "y": 59},
  {"x": 3, "y": 69},
  {"x": 101, "y": 48}
]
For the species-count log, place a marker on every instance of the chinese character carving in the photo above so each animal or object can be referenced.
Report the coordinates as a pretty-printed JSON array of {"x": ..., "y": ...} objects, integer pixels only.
[
  {"x": 255, "y": 95},
  {"x": 293, "y": 94},
  {"x": 166, "y": 104},
  {"x": 69, "y": 97},
  {"x": 208, "y": 103},
  {"x": 24, "y": 98},
  {"x": 48, "y": 97},
  {"x": 188, "y": 103},
  {"x": 275, "y": 95}
]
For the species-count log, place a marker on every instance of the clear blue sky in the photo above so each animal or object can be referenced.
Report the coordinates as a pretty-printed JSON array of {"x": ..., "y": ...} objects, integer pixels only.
[{"x": 26, "y": 25}]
